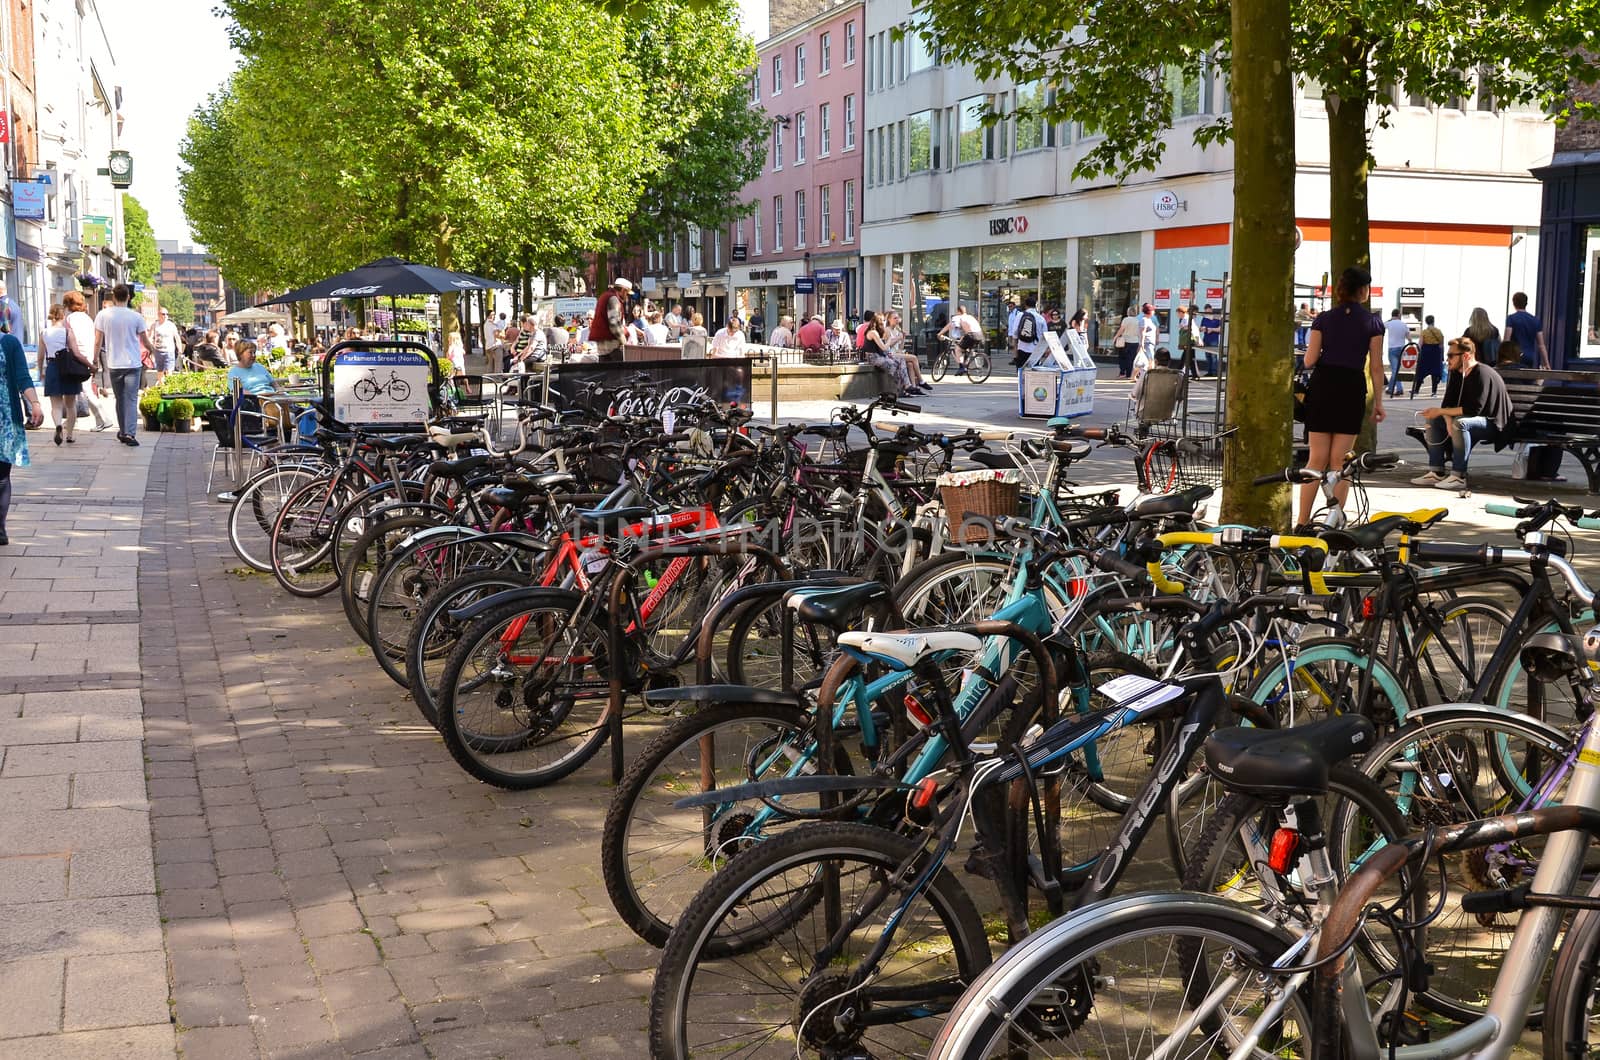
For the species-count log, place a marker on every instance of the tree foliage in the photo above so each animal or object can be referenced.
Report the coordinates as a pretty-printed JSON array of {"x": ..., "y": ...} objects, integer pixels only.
[
  {"x": 139, "y": 241},
  {"x": 177, "y": 301},
  {"x": 497, "y": 135}
]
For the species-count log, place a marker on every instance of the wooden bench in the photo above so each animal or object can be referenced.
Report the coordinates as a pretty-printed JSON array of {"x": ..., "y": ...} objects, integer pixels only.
[{"x": 1552, "y": 408}]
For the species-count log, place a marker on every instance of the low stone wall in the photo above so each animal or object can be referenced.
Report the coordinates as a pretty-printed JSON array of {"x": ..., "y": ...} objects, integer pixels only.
[{"x": 818, "y": 382}]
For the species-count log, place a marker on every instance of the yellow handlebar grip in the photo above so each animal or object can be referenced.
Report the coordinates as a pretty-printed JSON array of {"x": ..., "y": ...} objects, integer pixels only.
[
  {"x": 1289, "y": 541},
  {"x": 1185, "y": 537},
  {"x": 1159, "y": 579}
]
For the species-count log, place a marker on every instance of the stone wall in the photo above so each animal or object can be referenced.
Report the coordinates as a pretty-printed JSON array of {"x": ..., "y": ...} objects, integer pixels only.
[
  {"x": 786, "y": 14},
  {"x": 1580, "y": 134}
]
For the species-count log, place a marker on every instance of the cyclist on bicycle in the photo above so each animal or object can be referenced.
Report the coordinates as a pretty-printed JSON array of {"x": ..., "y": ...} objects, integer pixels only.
[{"x": 967, "y": 334}]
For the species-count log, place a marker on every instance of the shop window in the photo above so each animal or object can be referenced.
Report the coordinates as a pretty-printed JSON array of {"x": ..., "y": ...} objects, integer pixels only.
[
  {"x": 1589, "y": 295},
  {"x": 919, "y": 153},
  {"x": 930, "y": 307},
  {"x": 1108, "y": 281}
]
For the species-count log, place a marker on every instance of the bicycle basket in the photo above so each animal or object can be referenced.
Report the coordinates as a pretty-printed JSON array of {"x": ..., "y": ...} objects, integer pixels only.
[
  {"x": 973, "y": 500},
  {"x": 1168, "y": 464}
]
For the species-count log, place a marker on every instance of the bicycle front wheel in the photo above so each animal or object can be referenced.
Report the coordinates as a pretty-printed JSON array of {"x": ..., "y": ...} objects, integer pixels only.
[
  {"x": 1127, "y": 989},
  {"x": 978, "y": 366},
  {"x": 941, "y": 364},
  {"x": 740, "y": 975}
]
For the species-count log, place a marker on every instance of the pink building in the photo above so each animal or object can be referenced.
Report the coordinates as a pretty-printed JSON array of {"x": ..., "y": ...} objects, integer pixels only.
[{"x": 809, "y": 78}]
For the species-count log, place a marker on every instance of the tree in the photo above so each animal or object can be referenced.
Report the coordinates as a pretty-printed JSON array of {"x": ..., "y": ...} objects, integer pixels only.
[
  {"x": 139, "y": 242},
  {"x": 177, "y": 301},
  {"x": 1259, "y": 399}
]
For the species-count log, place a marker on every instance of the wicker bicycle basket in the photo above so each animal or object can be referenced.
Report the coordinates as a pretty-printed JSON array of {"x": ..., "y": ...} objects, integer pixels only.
[{"x": 973, "y": 500}]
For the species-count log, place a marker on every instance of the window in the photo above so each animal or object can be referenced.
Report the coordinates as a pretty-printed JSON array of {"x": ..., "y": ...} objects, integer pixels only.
[
  {"x": 799, "y": 218},
  {"x": 799, "y": 64},
  {"x": 756, "y": 249},
  {"x": 825, "y": 54},
  {"x": 777, "y": 74},
  {"x": 777, "y": 145},
  {"x": 1032, "y": 130},
  {"x": 824, "y": 130},
  {"x": 755, "y": 85},
  {"x": 716, "y": 249},
  {"x": 1483, "y": 100},
  {"x": 799, "y": 138},
  {"x": 1184, "y": 87},
  {"x": 872, "y": 173},
  {"x": 824, "y": 215},
  {"x": 738, "y": 233},
  {"x": 897, "y": 59},
  {"x": 777, "y": 223},
  {"x": 974, "y": 141},
  {"x": 849, "y": 210},
  {"x": 694, "y": 248},
  {"x": 877, "y": 60},
  {"x": 849, "y": 43},
  {"x": 849, "y": 122},
  {"x": 919, "y": 152},
  {"x": 917, "y": 55}
]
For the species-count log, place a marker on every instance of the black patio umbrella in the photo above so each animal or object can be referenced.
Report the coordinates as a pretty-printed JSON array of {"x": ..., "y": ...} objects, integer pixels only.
[{"x": 389, "y": 277}]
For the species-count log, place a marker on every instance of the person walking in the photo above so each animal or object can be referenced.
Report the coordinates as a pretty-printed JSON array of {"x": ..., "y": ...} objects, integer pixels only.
[
  {"x": 167, "y": 343},
  {"x": 1027, "y": 330},
  {"x": 1527, "y": 331},
  {"x": 609, "y": 326},
  {"x": 1186, "y": 332},
  {"x": 1126, "y": 343},
  {"x": 1484, "y": 335},
  {"x": 1476, "y": 406},
  {"x": 1430, "y": 357},
  {"x": 62, "y": 391},
  {"x": 1302, "y": 325},
  {"x": 119, "y": 334},
  {"x": 1397, "y": 334},
  {"x": 80, "y": 340},
  {"x": 1344, "y": 348},
  {"x": 16, "y": 391},
  {"x": 1149, "y": 335}
]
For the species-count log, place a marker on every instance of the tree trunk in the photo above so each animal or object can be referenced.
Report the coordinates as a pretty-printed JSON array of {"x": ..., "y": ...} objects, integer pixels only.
[
  {"x": 1349, "y": 165},
  {"x": 449, "y": 318},
  {"x": 1260, "y": 399}
]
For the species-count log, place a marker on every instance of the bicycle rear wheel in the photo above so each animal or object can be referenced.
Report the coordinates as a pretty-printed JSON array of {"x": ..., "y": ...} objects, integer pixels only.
[
  {"x": 255, "y": 511},
  {"x": 435, "y": 634},
  {"x": 302, "y": 538},
  {"x": 978, "y": 366}
]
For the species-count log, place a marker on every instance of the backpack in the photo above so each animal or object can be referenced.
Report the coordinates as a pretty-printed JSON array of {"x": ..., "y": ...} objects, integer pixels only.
[{"x": 1027, "y": 327}]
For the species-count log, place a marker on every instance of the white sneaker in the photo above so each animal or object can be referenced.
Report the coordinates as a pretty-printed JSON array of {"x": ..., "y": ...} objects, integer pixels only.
[
  {"x": 1451, "y": 482},
  {"x": 1427, "y": 478}
]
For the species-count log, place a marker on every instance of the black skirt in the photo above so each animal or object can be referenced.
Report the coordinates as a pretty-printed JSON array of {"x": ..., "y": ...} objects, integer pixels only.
[{"x": 1337, "y": 401}]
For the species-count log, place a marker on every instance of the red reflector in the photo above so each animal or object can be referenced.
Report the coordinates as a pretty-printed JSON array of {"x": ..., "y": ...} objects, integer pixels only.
[
  {"x": 922, "y": 795},
  {"x": 1369, "y": 607},
  {"x": 1077, "y": 587},
  {"x": 918, "y": 713},
  {"x": 1285, "y": 842}
]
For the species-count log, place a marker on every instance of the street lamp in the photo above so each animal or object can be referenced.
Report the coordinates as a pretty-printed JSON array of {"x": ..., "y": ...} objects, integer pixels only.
[{"x": 811, "y": 298}]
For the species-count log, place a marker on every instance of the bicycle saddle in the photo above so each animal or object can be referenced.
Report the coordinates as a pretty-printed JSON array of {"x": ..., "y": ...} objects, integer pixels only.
[
  {"x": 903, "y": 650},
  {"x": 1375, "y": 532},
  {"x": 457, "y": 469},
  {"x": 1285, "y": 762},
  {"x": 548, "y": 482},
  {"x": 997, "y": 461},
  {"x": 837, "y": 606},
  {"x": 603, "y": 519},
  {"x": 1184, "y": 502},
  {"x": 396, "y": 442}
]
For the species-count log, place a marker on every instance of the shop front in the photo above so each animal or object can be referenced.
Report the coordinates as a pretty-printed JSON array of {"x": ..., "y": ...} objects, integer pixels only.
[
  {"x": 768, "y": 289},
  {"x": 1569, "y": 260}
]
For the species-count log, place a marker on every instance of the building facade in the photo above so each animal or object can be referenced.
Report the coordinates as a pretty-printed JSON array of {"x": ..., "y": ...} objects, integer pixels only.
[
  {"x": 79, "y": 125},
  {"x": 192, "y": 268},
  {"x": 963, "y": 212},
  {"x": 804, "y": 224},
  {"x": 1569, "y": 243}
]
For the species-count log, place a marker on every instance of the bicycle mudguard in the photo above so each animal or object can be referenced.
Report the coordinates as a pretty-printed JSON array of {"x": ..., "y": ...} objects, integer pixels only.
[
  {"x": 766, "y": 789},
  {"x": 445, "y": 530},
  {"x": 1447, "y": 711},
  {"x": 705, "y": 694},
  {"x": 531, "y": 593}
]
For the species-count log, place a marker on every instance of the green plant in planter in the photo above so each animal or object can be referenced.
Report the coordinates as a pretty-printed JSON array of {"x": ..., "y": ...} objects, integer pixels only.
[
  {"x": 182, "y": 414},
  {"x": 149, "y": 403}
]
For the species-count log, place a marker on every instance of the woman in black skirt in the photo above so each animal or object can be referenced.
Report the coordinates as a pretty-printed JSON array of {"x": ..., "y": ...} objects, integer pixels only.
[{"x": 1344, "y": 350}]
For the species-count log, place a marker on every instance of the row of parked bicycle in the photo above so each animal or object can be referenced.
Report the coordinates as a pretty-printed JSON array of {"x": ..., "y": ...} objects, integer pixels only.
[{"x": 906, "y": 733}]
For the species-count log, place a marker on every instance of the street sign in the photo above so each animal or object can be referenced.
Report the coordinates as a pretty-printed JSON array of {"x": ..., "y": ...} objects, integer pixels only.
[
  {"x": 805, "y": 285},
  {"x": 376, "y": 387},
  {"x": 741, "y": 253},
  {"x": 829, "y": 276},
  {"x": 1213, "y": 294}
]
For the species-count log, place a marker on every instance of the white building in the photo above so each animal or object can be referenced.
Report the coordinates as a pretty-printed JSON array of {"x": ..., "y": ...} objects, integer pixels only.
[
  {"x": 957, "y": 211},
  {"x": 79, "y": 100}
]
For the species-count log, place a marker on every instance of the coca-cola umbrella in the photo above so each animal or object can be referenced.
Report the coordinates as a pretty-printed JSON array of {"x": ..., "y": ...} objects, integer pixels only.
[{"x": 389, "y": 277}]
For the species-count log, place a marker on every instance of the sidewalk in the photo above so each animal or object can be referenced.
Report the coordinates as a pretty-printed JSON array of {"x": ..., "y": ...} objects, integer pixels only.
[{"x": 82, "y": 968}]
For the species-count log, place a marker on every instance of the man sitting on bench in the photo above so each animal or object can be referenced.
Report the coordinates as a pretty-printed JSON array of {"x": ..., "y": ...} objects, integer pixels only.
[{"x": 1476, "y": 406}]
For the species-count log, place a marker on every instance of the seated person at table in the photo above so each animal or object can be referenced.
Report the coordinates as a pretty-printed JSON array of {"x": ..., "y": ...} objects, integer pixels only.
[
  {"x": 207, "y": 352},
  {"x": 729, "y": 341},
  {"x": 252, "y": 377},
  {"x": 1476, "y": 407}
]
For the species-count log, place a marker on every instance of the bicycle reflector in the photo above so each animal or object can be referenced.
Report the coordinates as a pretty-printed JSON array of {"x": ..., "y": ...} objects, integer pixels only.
[
  {"x": 1285, "y": 844},
  {"x": 917, "y": 712},
  {"x": 922, "y": 795},
  {"x": 1369, "y": 607}
]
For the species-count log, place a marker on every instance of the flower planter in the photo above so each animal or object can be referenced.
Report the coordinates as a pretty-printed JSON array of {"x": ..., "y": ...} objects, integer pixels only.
[
  {"x": 181, "y": 426},
  {"x": 152, "y": 421}
]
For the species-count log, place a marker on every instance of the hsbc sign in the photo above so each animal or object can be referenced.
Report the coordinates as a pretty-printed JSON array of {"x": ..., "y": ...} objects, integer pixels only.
[{"x": 1008, "y": 226}]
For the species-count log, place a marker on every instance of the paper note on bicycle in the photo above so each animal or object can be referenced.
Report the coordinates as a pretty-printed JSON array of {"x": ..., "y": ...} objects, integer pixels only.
[
  {"x": 1138, "y": 693},
  {"x": 373, "y": 387}
]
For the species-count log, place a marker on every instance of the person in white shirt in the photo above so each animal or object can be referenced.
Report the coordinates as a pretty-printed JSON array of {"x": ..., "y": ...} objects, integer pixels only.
[
  {"x": 119, "y": 334},
  {"x": 277, "y": 341},
  {"x": 729, "y": 341},
  {"x": 655, "y": 332},
  {"x": 166, "y": 342},
  {"x": 1396, "y": 334},
  {"x": 967, "y": 333},
  {"x": 1028, "y": 328},
  {"x": 783, "y": 335},
  {"x": 1126, "y": 343},
  {"x": 80, "y": 340}
]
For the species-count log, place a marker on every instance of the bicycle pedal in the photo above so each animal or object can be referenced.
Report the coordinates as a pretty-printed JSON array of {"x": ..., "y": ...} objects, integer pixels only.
[{"x": 1403, "y": 1028}]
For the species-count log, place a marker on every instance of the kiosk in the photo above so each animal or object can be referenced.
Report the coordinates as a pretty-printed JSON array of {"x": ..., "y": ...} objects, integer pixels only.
[{"x": 1059, "y": 379}]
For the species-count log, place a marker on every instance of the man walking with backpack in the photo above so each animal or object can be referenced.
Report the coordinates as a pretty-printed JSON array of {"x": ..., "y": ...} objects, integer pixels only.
[{"x": 1028, "y": 331}]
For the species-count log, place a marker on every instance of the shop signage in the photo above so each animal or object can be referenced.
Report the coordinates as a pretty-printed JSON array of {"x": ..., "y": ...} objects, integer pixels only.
[
  {"x": 829, "y": 275},
  {"x": 685, "y": 279},
  {"x": 1008, "y": 226},
  {"x": 1163, "y": 298},
  {"x": 574, "y": 307},
  {"x": 96, "y": 230},
  {"x": 1213, "y": 294},
  {"x": 741, "y": 253},
  {"x": 1407, "y": 293},
  {"x": 805, "y": 285},
  {"x": 1377, "y": 292},
  {"x": 1186, "y": 295},
  {"x": 28, "y": 199},
  {"x": 763, "y": 274},
  {"x": 5, "y": 127},
  {"x": 1166, "y": 204}
]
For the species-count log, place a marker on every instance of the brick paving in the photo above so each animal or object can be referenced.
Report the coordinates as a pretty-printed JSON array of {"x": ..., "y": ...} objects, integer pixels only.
[{"x": 331, "y": 884}]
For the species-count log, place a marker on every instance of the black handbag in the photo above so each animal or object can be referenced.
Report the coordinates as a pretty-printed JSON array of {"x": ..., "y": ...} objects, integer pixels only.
[{"x": 69, "y": 369}]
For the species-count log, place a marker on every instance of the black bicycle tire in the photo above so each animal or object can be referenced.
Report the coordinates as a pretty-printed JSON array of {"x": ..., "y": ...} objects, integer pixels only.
[
  {"x": 396, "y": 671},
  {"x": 247, "y": 500},
  {"x": 941, "y": 364},
  {"x": 874, "y": 846},
  {"x": 324, "y": 549},
  {"x": 441, "y": 599},
  {"x": 979, "y": 367},
  {"x": 355, "y": 605}
]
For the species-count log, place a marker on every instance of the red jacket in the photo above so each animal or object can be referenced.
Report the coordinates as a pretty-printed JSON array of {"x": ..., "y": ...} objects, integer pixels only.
[{"x": 600, "y": 326}]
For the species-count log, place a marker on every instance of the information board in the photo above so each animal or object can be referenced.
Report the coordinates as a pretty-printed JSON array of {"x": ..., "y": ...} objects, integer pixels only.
[{"x": 373, "y": 387}]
